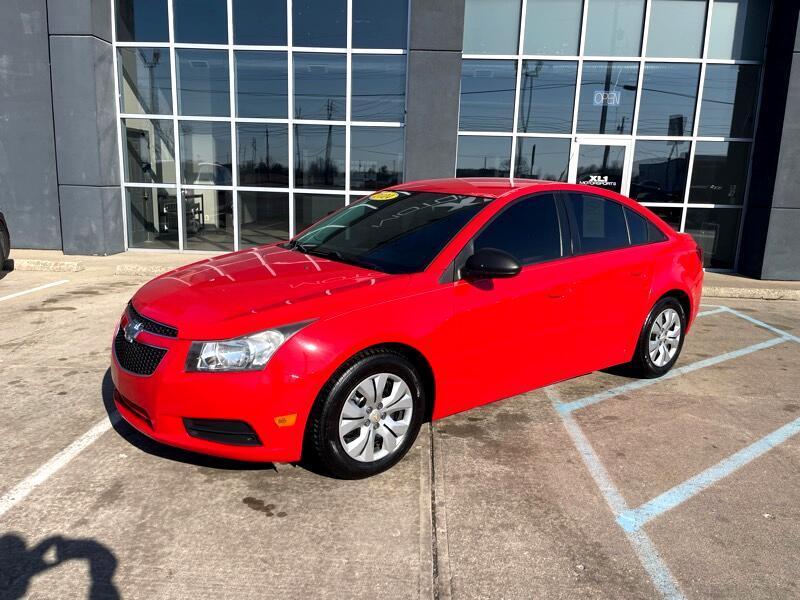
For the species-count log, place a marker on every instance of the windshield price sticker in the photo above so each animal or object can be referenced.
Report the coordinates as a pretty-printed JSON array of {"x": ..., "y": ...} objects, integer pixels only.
[{"x": 384, "y": 196}]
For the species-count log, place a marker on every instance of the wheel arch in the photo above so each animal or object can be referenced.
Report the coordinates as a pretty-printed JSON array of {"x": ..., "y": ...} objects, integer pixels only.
[{"x": 682, "y": 297}]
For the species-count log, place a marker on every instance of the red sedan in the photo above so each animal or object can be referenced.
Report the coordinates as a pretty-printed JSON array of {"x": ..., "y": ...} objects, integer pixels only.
[{"x": 414, "y": 303}]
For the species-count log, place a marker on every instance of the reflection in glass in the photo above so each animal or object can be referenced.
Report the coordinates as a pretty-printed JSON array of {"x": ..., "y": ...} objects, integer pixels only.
[
  {"x": 205, "y": 152},
  {"x": 671, "y": 216},
  {"x": 553, "y": 26},
  {"x": 601, "y": 166},
  {"x": 261, "y": 84},
  {"x": 669, "y": 96},
  {"x": 200, "y": 21},
  {"x": 259, "y": 22},
  {"x": 719, "y": 174},
  {"x": 142, "y": 21},
  {"x": 380, "y": 24},
  {"x": 310, "y": 208},
  {"x": 608, "y": 96},
  {"x": 677, "y": 28},
  {"x": 614, "y": 27},
  {"x": 152, "y": 218},
  {"x": 547, "y": 95},
  {"x": 659, "y": 171},
  {"x": 376, "y": 157},
  {"x": 320, "y": 82},
  {"x": 203, "y": 85},
  {"x": 716, "y": 231},
  {"x": 144, "y": 80},
  {"x": 208, "y": 219},
  {"x": 263, "y": 154},
  {"x": 487, "y": 95},
  {"x": 738, "y": 28},
  {"x": 729, "y": 100},
  {"x": 491, "y": 27},
  {"x": 149, "y": 151},
  {"x": 480, "y": 156},
  {"x": 378, "y": 88},
  {"x": 543, "y": 158},
  {"x": 263, "y": 218},
  {"x": 319, "y": 23},
  {"x": 319, "y": 156}
]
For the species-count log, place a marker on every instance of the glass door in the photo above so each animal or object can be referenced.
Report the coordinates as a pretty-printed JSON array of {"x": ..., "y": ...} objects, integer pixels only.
[{"x": 601, "y": 162}]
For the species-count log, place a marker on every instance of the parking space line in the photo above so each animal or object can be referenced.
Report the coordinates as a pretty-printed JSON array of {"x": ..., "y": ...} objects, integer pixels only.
[
  {"x": 632, "y": 520},
  {"x": 32, "y": 290},
  {"x": 20, "y": 491},
  {"x": 569, "y": 407},
  {"x": 763, "y": 325},
  {"x": 657, "y": 570},
  {"x": 713, "y": 311}
]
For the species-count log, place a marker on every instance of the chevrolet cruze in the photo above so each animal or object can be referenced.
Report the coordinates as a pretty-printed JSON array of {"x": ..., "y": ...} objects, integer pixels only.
[{"x": 411, "y": 304}]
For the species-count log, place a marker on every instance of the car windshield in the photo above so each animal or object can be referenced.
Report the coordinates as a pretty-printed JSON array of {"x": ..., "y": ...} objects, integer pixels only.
[{"x": 393, "y": 232}]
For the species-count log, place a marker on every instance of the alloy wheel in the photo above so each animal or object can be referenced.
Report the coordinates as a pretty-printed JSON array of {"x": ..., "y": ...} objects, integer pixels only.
[
  {"x": 665, "y": 337},
  {"x": 375, "y": 417}
]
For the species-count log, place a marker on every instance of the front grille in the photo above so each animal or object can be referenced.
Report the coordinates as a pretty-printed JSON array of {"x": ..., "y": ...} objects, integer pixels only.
[
  {"x": 137, "y": 358},
  {"x": 152, "y": 326},
  {"x": 222, "y": 431}
]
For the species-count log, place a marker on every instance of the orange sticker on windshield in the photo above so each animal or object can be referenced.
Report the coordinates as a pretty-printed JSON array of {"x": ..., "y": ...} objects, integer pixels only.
[{"x": 384, "y": 196}]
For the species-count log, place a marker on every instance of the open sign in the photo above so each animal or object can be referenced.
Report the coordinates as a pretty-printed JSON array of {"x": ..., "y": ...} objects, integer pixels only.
[{"x": 607, "y": 98}]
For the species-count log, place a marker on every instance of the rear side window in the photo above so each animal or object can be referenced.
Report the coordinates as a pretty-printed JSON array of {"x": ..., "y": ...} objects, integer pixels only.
[
  {"x": 641, "y": 229},
  {"x": 600, "y": 223},
  {"x": 528, "y": 230},
  {"x": 637, "y": 227}
]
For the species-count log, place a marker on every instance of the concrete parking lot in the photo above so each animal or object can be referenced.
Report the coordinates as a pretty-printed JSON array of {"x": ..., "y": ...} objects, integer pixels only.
[{"x": 598, "y": 487}]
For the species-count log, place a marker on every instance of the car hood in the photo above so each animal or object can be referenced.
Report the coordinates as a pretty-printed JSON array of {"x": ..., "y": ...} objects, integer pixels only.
[{"x": 253, "y": 290}]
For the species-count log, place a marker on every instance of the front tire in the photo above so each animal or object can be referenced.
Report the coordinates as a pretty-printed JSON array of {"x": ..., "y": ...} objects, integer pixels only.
[
  {"x": 366, "y": 417},
  {"x": 661, "y": 340}
]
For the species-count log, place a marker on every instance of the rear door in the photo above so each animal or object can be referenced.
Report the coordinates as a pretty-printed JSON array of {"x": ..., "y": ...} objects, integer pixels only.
[
  {"x": 511, "y": 335},
  {"x": 612, "y": 281}
]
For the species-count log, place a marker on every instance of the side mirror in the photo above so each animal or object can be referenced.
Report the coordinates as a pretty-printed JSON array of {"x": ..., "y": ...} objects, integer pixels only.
[{"x": 490, "y": 263}]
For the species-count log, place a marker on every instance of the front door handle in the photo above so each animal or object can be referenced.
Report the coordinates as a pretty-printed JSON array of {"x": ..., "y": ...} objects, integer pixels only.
[{"x": 637, "y": 273}]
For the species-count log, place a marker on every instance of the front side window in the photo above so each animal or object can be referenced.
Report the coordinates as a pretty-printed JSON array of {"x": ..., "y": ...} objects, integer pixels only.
[
  {"x": 393, "y": 232},
  {"x": 528, "y": 230},
  {"x": 600, "y": 223}
]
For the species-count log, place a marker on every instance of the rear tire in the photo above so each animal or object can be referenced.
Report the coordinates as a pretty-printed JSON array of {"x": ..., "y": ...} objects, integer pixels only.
[
  {"x": 366, "y": 417},
  {"x": 661, "y": 339}
]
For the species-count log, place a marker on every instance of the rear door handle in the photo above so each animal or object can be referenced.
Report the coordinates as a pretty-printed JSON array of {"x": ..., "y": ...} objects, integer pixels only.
[{"x": 637, "y": 273}]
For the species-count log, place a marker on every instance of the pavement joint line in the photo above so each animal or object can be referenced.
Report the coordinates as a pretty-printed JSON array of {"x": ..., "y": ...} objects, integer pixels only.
[
  {"x": 634, "y": 519},
  {"x": 32, "y": 290},
  {"x": 568, "y": 407},
  {"x": 20, "y": 491},
  {"x": 659, "y": 573}
]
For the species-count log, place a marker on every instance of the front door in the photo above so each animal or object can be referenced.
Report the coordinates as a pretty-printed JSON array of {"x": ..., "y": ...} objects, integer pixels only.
[{"x": 601, "y": 162}]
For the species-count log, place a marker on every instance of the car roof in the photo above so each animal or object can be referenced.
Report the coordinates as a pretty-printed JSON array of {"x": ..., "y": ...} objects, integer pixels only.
[{"x": 491, "y": 187}]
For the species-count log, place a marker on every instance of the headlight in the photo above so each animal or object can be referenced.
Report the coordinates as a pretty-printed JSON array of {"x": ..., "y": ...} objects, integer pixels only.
[{"x": 247, "y": 353}]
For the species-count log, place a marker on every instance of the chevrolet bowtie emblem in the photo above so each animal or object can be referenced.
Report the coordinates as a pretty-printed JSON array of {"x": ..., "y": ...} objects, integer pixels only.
[{"x": 132, "y": 329}]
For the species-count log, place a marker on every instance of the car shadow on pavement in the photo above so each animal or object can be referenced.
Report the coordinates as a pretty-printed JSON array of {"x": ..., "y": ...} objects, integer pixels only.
[
  {"x": 146, "y": 444},
  {"x": 19, "y": 564}
]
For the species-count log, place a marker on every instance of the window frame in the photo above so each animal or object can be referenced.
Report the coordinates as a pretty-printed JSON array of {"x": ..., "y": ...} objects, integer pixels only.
[{"x": 453, "y": 272}]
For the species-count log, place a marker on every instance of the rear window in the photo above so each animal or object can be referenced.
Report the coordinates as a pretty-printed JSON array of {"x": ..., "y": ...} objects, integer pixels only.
[
  {"x": 601, "y": 223},
  {"x": 637, "y": 227}
]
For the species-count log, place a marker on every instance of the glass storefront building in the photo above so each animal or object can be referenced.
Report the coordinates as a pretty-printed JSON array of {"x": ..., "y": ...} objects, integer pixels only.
[
  {"x": 224, "y": 124},
  {"x": 654, "y": 99}
]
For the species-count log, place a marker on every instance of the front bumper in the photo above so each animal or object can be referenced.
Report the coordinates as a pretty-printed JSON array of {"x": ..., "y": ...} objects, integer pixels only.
[{"x": 157, "y": 405}]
